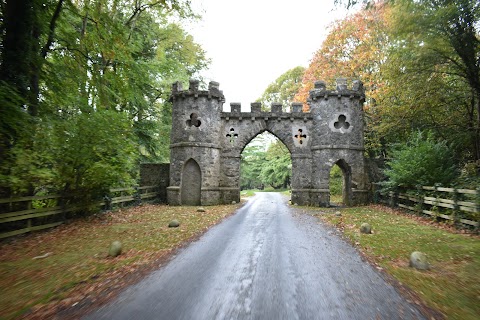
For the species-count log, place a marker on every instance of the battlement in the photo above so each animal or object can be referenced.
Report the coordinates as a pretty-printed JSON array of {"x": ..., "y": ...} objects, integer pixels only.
[
  {"x": 275, "y": 112},
  {"x": 320, "y": 90},
  {"x": 213, "y": 91}
]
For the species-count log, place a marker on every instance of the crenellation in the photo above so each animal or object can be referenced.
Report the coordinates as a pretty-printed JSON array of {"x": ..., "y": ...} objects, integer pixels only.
[
  {"x": 320, "y": 85},
  {"x": 193, "y": 91},
  {"x": 297, "y": 107},
  {"x": 193, "y": 85},
  {"x": 177, "y": 87},
  {"x": 256, "y": 107},
  {"x": 235, "y": 107},
  {"x": 276, "y": 107},
  {"x": 320, "y": 90},
  {"x": 341, "y": 84}
]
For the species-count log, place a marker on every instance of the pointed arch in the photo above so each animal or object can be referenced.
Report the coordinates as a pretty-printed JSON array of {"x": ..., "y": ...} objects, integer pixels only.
[
  {"x": 347, "y": 181},
  {"x": 191, "y": 184}
]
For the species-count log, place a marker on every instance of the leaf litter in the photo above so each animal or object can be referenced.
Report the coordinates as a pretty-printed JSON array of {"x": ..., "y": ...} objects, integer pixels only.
[{"x": 65, "y": 271}]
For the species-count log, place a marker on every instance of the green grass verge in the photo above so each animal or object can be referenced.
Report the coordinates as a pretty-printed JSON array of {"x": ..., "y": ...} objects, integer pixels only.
[
  {"x": 77, "y": 265},
  {"x": 451, "y": 286}
]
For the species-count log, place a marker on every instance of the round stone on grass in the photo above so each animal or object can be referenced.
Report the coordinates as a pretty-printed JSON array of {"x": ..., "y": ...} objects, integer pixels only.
[
  {"x": 115, "y": 249},
  {"x": 174, "y": 224},
  {"x": 365, "y": 228},
  {"x": 201, "y": 209},
  {"x": 418, "y": 260}
]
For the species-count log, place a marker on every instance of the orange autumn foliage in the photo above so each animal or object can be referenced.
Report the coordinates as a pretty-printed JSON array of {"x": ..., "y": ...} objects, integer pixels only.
[{"x": 354, "y": 49}]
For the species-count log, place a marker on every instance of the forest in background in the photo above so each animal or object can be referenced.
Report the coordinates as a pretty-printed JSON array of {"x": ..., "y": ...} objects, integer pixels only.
[
  {"x": 84, "y": 86},
  {"x": 420, "y": 64}
]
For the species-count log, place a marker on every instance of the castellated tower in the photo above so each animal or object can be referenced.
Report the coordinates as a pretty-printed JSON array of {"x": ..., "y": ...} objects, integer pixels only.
[
  {"x": 195, "y": 145},
  {"x": 338, "y": 138}
]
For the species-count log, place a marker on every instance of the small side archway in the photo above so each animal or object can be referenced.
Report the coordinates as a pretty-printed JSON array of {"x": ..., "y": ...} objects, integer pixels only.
[
  {"x": 191, "y": 184},
  {"x": 346, "y": 181}
]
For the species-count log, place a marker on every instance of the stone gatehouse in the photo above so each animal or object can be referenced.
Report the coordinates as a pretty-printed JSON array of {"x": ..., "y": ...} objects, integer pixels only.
[{"x": 206, "y": 144}]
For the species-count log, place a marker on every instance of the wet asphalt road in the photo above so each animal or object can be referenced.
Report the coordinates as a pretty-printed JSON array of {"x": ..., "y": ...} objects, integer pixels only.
[{"x": 264, "y": 262}]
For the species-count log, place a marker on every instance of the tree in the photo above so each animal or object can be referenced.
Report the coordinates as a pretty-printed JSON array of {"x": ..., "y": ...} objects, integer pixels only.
[
  {"x": 283, "y": 89},
  {"x": 277, "y": 170},
  {"x": 265, "y": 162},
  {"x": 253, "y": 158},
  {"x": 89, "y": 75},
  {"x": 354, "y": 49},
  {"x": 432, "y": 73}
]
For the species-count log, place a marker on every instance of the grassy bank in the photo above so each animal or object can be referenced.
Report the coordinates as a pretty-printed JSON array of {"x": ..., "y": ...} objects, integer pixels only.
[
  {"x": 452, "y": 284},
  {"x": 45, "y": 272}
]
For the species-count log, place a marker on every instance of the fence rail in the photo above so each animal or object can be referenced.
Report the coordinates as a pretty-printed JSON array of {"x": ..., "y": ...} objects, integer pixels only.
[
  {"x": 38, "y": 214},
  {"x": 461, "y": 206}
]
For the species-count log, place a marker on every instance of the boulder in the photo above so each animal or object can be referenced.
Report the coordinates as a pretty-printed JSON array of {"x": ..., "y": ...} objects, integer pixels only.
[
  {"x": 418, "y": 260},
  {"x": 365, "y": 228},
  {"x": 201, "y": 209},
  {"x": 115, "y": 249},
  {"x": 174, "y": 224}
]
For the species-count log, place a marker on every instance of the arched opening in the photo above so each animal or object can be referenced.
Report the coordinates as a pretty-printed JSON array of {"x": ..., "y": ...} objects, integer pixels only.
[
  {"x": 191, "y": 185},
  {"x": 340, "y": 184},
  {"x": 265, "y": 165}
]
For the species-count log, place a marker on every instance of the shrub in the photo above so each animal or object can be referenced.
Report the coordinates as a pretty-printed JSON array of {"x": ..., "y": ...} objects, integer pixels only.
[{"x": 421, "y": 161}]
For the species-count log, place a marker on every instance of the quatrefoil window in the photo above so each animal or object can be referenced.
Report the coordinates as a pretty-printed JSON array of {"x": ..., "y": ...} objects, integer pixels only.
[
  {"x": 300, "y": 136},
  {"x": 342, "y": 123},
  {"x": 194, "y": 120},
  {"x": 232, "y": 135}
]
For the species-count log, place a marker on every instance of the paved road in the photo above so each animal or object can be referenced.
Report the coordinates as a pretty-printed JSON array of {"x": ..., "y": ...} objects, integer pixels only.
[{"x": 265, "y": 262}]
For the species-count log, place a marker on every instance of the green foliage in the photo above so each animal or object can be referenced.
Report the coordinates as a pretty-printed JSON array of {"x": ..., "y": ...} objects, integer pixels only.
[
  {"x": 96, "y": 152},
  {"x": 432, "y": 73},
  {"x": 283, "y": 89},
  {"x": 80, "y": 158},
  {"x": 277, "y": 171},
  {"x": 253, "y": 157},
  {"x": 265, "y": 162},
  {"x": 84, "y": 87},
  {"x": 422, "y": 161},
  {"x": 336, "y": 181}
]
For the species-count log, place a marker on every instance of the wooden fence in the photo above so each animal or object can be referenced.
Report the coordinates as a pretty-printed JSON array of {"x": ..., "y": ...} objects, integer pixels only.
[
  {"x": 461, "y": 206},
  {"x": 42, "y": 212}
]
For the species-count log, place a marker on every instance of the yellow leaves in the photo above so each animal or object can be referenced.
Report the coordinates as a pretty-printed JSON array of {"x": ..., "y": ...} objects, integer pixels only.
[{"x": 352, "y": 49}]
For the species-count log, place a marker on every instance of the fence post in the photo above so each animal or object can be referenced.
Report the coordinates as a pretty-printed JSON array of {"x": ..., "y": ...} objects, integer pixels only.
[
  {"x": 108, "y": 202},
  {"x": 137, "y": 196},
  {"x": 420, "y": 199},
  {"x": 375, "y": 193},
  {"x": 393, "y": 198},
  {"x": 477, "y": 213},
  {"x": 29, "y": 221},
  {"x": 456, "y": 208}
]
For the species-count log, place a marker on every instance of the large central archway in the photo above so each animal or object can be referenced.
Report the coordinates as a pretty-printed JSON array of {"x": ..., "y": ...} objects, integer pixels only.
[
  {"x": 330, "y": 133},
  {"x": 265, "y": 164}
]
